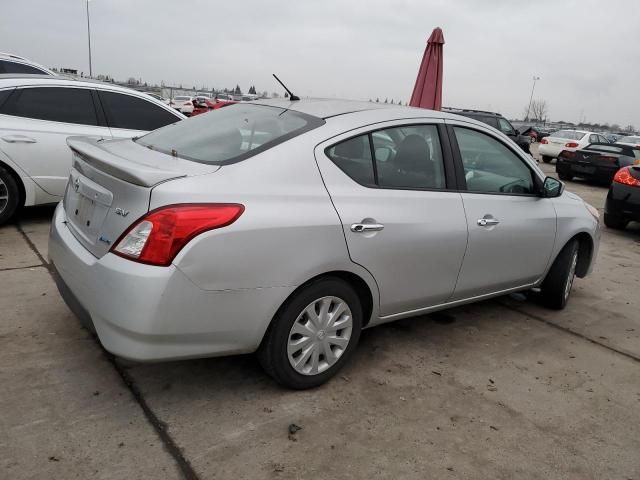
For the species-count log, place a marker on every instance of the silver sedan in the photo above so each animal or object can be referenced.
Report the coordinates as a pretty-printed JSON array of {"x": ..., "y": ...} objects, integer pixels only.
[{"x": 285, "y": 228}]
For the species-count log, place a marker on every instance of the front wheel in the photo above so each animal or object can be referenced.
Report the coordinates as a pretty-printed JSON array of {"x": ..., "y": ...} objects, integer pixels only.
[
  {"x": 546, "y": 159},
  {"x": 556, "y": 287},
  {"x": 313, "y": 334},
  {"x": 9, "y": 196}
]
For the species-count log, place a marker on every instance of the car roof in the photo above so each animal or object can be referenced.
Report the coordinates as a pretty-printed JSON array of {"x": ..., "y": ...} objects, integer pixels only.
[
  {"x": 20, "y": 80},
  {"x": 327, "y": 108}
]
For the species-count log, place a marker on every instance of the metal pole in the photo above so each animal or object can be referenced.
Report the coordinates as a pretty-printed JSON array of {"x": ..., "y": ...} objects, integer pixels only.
[
  {"x": 89, "y": 38},
  {"x": 531, "y": 98}
]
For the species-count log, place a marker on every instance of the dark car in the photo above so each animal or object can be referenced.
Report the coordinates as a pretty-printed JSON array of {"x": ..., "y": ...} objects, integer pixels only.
[
  {"x": 623, "y": 199},
  {"x": 536, "y": 133},
  {"x": 496, "y": 121},
  {"x": 597, "y": 161}
]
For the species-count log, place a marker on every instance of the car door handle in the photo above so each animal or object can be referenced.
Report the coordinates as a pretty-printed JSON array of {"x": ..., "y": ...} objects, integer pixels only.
[
  {"x": 366, "y": 227},
  {"x": 18, "y": 139},
  {"x": 487, "y": 222}
]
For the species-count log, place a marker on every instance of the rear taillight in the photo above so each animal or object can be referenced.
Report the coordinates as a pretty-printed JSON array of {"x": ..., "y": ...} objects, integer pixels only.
[
  {"x": 544, "y": 141},
  {"x": 188, "y": 104},
  {"x": 156, "y": 238},
  {"x": 625, "y": 177},
  {"x": 571, "y": 145},
  {"x": 567, "y": 154}
]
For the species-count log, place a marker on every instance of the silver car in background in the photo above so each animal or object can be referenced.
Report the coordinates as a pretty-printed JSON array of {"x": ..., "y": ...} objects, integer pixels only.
[{"x": 285, "y": 228}]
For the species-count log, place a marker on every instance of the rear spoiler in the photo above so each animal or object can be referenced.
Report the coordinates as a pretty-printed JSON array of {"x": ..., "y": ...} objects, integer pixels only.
[{"x": 90, "y": 151}]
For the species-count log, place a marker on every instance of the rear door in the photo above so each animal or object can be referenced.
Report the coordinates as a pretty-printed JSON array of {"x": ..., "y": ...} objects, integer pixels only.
[
  {"x": 401, "y": 221},
  {"x": 34, "y": 125},
  {"x": 130, "y": 116},
  {"x": 511, "y": 229}
]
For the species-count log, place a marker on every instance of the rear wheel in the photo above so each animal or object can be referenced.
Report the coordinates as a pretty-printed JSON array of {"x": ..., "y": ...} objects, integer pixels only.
[
  {"x": 9, "y": 196},
  {"x": 615, "y": 222},
  {"x": 546, "y": 159},
  {"x": 556, "y": 287},
  {"x": 313, "y": 335}
]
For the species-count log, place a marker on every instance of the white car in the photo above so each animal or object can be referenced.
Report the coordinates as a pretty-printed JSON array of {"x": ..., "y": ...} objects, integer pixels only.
[
  {"x": 631, "y": 140},
  {"x": 39, "y": 112},
  {"x": 571, "y": 140},
  {"x": 10, "y": 63},
  {"x": 183, "y": 104}
]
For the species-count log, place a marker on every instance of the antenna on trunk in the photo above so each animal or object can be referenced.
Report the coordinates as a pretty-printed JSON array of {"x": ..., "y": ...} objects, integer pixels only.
[{"x": 292, "y": 97}]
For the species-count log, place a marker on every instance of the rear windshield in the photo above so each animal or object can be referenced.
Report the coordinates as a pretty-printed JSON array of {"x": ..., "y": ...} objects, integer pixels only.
[
  {"x": 183, "y": 98},
  {"x": 231, "y": 134},
  {"x": 569, "y": 134}
]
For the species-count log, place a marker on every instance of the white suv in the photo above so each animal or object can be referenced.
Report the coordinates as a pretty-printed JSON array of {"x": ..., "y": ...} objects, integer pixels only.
[
  {"x": 10, "y": 63},
  {"x": 39, "y": 112}
]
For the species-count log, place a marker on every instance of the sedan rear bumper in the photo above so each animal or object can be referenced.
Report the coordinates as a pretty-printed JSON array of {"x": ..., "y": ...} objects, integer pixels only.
[
  {"x": 147, "y": 313},
  {"x": 593, "y": 172}
]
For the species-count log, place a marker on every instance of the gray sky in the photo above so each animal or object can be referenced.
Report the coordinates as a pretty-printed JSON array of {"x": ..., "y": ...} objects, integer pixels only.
[{"x": 587, "y": 52}]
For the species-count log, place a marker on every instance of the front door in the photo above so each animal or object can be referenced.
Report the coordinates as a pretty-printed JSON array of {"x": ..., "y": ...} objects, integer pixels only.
[
  {"x": 401, "y": 222},
  {"x": 34, "y": 125},
  {"x": 511, "y": 228}
]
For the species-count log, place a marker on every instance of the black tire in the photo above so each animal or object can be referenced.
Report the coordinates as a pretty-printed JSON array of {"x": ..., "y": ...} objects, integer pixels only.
[
  {"x": 546, "y": 159},
  {"x": 554, "y": 291},
  {"x": 615, "y": 222},
  {"x": 564, "y": 176},
  {"x": 272, "y": 353},
  {"x": 8, "y": 187}
]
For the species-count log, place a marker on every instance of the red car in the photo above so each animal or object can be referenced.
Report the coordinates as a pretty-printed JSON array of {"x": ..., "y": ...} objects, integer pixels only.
[{"x": 204, "y": 104}]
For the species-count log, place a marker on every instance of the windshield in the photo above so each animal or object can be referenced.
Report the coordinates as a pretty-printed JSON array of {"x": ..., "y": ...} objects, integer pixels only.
[
  {"x": 629, "y": 140},
  {"x": 231, "y": 134},
  {"x": 569, "y": 134}
]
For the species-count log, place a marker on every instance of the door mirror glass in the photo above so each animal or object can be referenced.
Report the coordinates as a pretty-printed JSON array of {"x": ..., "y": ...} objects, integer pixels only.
[{"x": 552, "y": 187}]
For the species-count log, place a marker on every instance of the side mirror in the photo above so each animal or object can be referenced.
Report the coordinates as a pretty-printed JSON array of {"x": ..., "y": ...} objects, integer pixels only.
[
  {"x": 552, "y": 188},
  {"x": 516, "y": 132}
]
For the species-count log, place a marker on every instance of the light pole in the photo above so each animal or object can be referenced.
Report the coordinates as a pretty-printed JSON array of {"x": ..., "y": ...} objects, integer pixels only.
[
  {"x": 89, "y": 39},
  {"x": 535, "y": 79}
]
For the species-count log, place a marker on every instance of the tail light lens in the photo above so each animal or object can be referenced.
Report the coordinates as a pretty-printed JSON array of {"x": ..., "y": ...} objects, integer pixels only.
[
  {"x": 156, "y": 238},
  {"x": 567, "y": 154},
  {"x": 571, "y": 145},
  {"x": 188, "y": 104},
  {"x": 544, "y": 141},
  {"x": 625, "y": 177}
]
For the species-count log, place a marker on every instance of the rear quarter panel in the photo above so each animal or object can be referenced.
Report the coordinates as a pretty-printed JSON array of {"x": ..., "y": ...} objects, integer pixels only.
[{"x": 288, "y": 233}]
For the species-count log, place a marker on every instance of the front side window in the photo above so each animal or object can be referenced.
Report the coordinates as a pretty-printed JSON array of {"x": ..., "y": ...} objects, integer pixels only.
[
  {"x": 490, "y": 166},
  {"x": 403, "y": 157},
  {"x": 57, "y": 104},
  {"x": 230, "y": 134},
  {"x": 133, "y": 113}
]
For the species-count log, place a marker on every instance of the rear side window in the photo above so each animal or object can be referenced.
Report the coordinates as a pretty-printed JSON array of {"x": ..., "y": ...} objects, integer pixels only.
[
  {"x": 56, "y": 104},
  {"x": 353, "y": 157},
  {"x": 403, "y": 157},
  {"x": 230, "y": 134},
  {"x": 14, "y": 67},
  {"x": 505, "y": 127},
  {"x": 133, "y": 113}
]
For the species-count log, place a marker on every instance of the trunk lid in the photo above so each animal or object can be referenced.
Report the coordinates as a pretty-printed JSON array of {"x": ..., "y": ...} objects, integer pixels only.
[{"x": 110, "y": 186}]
